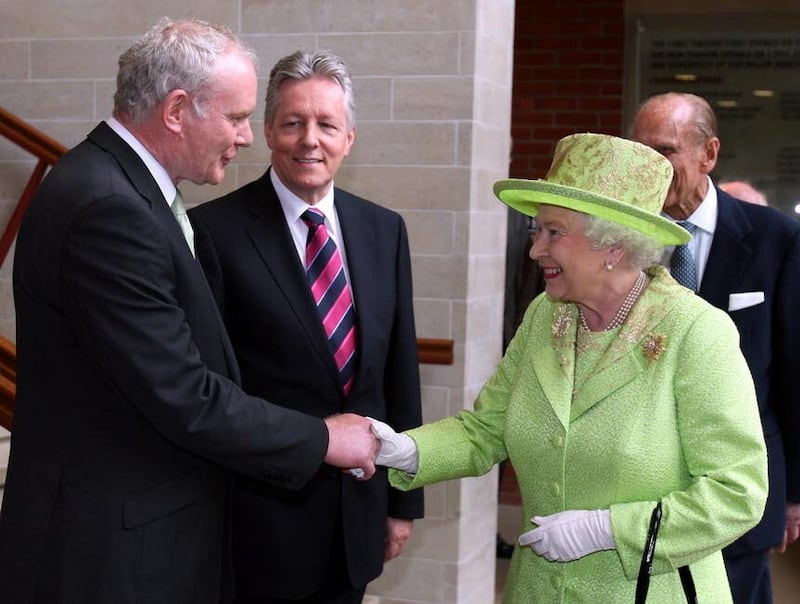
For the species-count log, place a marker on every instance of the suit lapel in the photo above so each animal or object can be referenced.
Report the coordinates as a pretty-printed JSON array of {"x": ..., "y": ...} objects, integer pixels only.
[
  {"x": 730, "y": 252},
  {"x": 141, "y": 179},
  {"x": 554, "y": 365},
  {"x": 130, "y": 163},
  {"x": 270, "y": 236},
  {"x": 623, "y": 360},
  {"x": 617, "y": 368},
  {"x": 360, "y": 244},
  {"x": 618, "y": 365}
]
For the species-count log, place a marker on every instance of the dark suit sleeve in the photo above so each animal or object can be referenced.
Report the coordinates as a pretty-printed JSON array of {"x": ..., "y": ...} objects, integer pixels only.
[
  {"x": 402, "y": 383},
  {"x": 121, "y": 284},
  {"x": 785, "y": 386}
]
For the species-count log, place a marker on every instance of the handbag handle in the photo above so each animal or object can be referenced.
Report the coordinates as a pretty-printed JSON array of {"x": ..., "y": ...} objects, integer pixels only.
[{"x": 646, "y": 566}]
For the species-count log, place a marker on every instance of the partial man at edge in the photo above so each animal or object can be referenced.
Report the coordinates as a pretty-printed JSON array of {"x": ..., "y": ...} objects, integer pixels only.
[
  {"x": 748, "y": 264},
  {"x": 128, "y": 411}
]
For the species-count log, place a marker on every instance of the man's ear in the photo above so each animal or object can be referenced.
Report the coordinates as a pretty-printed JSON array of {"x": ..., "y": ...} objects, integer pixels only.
[
  {"x": 173, "y": 110},
  {"x": 268, "y": 134},
  {"x": 350, "y": 139},
  {"x": 711, "y": 153}
]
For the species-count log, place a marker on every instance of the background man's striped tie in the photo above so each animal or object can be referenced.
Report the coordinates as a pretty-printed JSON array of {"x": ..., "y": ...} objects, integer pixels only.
[
  {"x": 329, "y": 287},
  {"x": 682, "y": 264}
]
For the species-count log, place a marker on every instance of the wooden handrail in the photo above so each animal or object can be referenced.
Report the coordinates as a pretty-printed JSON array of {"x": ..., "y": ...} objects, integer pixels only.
[
  {"x": 8, "y": 381},
  {"x": 435, "y": 352},
  {"x": 47, "y": 150},
  {"x": 29, "y": 138}
]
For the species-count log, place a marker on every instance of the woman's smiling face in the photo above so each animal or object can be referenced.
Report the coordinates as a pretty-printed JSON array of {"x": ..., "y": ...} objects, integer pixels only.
[{"x": 570, "y": 264}]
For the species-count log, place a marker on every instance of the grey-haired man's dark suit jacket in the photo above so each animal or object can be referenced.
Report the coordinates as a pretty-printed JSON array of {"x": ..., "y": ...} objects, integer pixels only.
[
  {"x": 757, "y": 249},
  {"x": 127, "y": 406}
]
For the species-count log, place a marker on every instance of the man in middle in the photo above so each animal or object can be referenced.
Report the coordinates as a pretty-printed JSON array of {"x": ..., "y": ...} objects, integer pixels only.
[{"x": 314, "y": 285}]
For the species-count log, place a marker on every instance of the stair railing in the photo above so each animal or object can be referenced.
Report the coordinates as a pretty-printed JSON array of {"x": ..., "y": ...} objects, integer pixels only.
[{"x": 45, "y": 149}]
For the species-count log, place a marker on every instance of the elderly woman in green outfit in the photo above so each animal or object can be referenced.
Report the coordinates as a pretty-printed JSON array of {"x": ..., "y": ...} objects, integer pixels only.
[{"x": 620, "y": 389}]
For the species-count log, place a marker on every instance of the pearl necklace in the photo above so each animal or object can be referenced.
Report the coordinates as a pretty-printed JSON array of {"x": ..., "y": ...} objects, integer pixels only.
[{"x": 625, "y": 308}]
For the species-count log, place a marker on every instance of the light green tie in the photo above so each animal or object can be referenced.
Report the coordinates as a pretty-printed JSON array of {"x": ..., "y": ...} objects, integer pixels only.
[{"x": 183, "y": 220}]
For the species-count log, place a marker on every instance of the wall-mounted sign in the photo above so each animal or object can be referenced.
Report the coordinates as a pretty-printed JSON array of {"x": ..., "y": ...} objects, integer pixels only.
[{"x": 752, "y": 80}]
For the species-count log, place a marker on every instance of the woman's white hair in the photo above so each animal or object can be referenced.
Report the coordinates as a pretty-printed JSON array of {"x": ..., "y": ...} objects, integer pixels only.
[{"x": 641, "y": 251}]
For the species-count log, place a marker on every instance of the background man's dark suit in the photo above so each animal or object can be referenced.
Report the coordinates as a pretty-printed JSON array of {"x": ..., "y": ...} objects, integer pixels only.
[
  {"x": 758, "y": 249},
  {"x": 123, "y": 398},
  {"x": 260, "y": 284}
]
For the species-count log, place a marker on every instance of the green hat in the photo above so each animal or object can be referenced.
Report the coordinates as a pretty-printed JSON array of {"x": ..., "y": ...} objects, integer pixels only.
[{"x": 613, "y": 178}]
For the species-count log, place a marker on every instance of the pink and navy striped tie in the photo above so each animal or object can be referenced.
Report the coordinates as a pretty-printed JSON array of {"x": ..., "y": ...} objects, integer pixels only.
[{"x": 328, "y": 282}]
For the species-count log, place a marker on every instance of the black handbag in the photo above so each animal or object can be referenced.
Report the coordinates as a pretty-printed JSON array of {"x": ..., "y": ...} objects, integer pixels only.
[{"x": 646, "y": 567}]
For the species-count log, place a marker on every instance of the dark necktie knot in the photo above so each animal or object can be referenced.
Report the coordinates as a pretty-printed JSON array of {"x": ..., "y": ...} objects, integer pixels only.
[{"x": 313, "y": 218}]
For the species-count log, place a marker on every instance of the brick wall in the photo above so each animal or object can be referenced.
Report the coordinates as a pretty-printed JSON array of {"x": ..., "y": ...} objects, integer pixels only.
[{"x": 568, "y": 74}]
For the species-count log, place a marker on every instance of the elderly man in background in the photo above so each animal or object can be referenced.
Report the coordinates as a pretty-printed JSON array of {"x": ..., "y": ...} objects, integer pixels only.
[
  {"x": 746, "y": 260},
  {"x": 741, "y": 189}
]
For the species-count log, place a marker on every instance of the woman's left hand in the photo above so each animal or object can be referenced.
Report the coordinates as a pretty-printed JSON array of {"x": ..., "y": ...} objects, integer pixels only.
[{"x": 570, "y": 535}]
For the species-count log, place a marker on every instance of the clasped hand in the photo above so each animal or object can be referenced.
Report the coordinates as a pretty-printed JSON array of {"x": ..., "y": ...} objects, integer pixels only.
[
  {"x": 570, "y": 535},
  {"x": 397, "y": 450},
  {"x": 393, "y": 450},
  {"x": 351, "y": 444}
]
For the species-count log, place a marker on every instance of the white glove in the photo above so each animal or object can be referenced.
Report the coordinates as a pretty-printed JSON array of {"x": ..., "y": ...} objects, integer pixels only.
[
  {"x": 397, "y": 450},
  {"x": 570, "y": 535}
]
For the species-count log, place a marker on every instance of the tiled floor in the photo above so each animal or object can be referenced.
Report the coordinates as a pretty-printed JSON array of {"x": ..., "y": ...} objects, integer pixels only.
[{"x": 785, "y": 567}]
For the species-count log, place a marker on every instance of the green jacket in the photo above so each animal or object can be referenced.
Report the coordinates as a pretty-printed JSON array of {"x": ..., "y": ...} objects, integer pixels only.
[{"x": 668, "y": 413}]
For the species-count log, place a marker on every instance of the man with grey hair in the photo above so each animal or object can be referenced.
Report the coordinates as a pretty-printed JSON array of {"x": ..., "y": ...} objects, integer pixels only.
[
  {"x": 318, "y": 345},
  {"x": 746, "y": 262},
  {"x": 128, "y": 410}
]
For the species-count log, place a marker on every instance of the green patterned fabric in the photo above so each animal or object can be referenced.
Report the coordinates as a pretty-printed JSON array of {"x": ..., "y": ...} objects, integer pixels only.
[
  {"x": 666, "y": 410},
  {"x": 614, "y": 178}
]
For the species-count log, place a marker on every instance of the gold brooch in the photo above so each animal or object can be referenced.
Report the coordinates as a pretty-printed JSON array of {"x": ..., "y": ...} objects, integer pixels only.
[{"x": 653, "y": 346}]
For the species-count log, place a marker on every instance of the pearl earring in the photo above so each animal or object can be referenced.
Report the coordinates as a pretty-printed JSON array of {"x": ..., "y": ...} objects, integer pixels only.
[{"x": 609, "y": 267}]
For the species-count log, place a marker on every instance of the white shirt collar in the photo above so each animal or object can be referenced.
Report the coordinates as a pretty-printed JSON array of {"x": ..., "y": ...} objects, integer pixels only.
[
  {"x": 705, "y": 216},
  {"x": 705, "y": 219},
  {"x": 293, "y": 206},
  {"x": 158, "y": 172}
]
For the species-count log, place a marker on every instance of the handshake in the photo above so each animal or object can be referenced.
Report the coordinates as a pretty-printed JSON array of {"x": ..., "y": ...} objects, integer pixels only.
[{"x": 357, "y": 444}]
